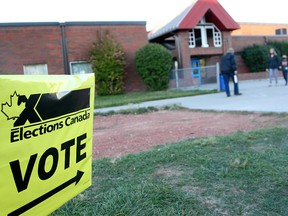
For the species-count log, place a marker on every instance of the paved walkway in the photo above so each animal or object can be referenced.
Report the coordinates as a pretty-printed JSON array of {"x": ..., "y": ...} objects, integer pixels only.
[{"x": 257, "y": 97}]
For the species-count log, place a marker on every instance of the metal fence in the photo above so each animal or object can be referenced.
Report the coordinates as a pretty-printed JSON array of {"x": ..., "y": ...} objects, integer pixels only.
[{"x": 195, "y": 78}]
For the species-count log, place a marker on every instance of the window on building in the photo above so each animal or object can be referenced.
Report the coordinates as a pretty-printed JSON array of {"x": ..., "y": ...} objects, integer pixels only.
[
  {"x": 192, "y": 42},
  {"x": 217, "y": 37},
  {"x": 80, "y": 67},
  {"x": 205, "y": 35},
  {"x": 37, "y": 69},
  {"x": 195, "y": 38}
]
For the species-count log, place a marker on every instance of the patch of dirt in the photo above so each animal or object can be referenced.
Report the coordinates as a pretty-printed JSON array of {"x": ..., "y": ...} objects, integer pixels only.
[{"x": 117, "y": 135}]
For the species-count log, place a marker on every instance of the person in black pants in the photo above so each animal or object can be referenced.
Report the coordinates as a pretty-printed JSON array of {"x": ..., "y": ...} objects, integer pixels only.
[
  {"x": 284, "y": 67},
  {"x": 229, "y": 70}
]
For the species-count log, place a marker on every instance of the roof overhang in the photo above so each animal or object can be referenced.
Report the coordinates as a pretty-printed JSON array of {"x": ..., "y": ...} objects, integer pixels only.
[{"x": 191, "y": 16}]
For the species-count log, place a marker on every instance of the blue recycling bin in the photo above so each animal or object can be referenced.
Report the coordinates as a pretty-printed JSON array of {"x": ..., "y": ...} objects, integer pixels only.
[{"x": 222, "y": 83}]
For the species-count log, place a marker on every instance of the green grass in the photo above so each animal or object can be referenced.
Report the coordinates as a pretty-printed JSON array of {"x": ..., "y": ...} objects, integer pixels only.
[
  {"x": 132, "y": 98},
  {"x": 245, "y": 173}
]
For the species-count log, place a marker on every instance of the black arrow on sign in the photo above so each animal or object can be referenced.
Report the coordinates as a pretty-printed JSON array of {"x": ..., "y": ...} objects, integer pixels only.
[{"x": 42, "y": 198}]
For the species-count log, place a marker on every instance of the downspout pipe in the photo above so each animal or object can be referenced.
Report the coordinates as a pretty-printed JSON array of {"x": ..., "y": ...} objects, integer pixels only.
[
  {"x": 64, "y": 49},
  {"x": 179, "y": 56}
]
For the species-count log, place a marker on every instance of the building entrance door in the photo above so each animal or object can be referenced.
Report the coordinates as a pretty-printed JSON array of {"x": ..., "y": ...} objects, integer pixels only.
[{"x": 196, "y": 70}]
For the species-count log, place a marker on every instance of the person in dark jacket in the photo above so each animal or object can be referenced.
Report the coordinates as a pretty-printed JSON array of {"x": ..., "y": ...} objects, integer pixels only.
[
  {"x": 284, "y": 67},
  {"x": 273, "y": 65},
  {"x": 229, "y": 70}
]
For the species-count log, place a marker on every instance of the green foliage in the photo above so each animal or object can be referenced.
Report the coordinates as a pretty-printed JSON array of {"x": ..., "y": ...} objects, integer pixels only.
[
  {"x": 255, "y": 57},
  {"x": 153, "y": 63},
  {"x": 108, "y": 61},
  {"x": 281, "y": 47}
]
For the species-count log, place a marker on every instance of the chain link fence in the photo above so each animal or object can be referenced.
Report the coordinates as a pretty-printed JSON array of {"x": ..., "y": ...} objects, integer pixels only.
[{"x": 204, "y": 78}]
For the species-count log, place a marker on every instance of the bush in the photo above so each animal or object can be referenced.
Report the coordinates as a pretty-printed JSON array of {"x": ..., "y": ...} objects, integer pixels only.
[
  {"x": 108, "y": 61},
  {"x": 281, "y": 47},
  {"x": 255, "y": 57},
  {"x": 153, "y": 64}
]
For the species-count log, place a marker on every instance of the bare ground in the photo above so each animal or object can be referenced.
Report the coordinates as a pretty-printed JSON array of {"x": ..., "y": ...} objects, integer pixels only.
[{"x": 117, "y": 135}]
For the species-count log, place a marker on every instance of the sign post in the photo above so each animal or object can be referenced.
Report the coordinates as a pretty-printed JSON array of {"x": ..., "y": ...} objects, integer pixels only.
[{"x": 46, "y": 135}]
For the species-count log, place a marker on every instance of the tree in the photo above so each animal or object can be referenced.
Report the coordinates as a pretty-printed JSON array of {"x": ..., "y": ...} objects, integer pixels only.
[{"x": 108, "y": 62}]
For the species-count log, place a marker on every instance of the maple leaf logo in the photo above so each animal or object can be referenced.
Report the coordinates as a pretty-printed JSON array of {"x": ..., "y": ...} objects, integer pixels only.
[{"x": 11, "y": 109}]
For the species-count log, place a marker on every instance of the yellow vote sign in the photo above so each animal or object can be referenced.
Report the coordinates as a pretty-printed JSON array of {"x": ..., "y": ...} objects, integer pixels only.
[{"x": 46, "y": 126}]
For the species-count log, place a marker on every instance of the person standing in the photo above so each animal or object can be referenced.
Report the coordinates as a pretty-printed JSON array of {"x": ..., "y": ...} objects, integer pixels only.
[
  {"x": 284, "y": 67},
  {"x": 229, "y": 70},
  {"x": 273, "y": 65}
]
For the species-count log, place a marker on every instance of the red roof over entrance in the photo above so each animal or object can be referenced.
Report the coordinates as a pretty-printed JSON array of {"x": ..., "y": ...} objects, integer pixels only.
[{"x": 191, "y": 16}]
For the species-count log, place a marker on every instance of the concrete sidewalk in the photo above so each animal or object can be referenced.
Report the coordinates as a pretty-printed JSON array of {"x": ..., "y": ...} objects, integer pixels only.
[{"x": 256, "y": 96}]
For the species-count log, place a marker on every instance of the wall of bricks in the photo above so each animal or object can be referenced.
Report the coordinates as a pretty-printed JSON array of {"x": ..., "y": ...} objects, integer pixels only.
[
  {"x": 212, "y": 55},
  {"x": 131, "y": 37},
  {"x": 41, "y": 43},
  {"x": 241, "y": 42},
  {"x": 27, "y": 44}
]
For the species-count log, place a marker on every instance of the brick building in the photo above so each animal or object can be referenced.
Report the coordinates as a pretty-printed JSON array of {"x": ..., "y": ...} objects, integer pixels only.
[
  {"x": 199, "y": 35},
  {"x": 63, "y": 48},
  {"x": 202, "y": 33}
]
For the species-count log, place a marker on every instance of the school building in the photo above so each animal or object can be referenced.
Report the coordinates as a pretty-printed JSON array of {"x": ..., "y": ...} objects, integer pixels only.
[{"x": 198, "y": 36}]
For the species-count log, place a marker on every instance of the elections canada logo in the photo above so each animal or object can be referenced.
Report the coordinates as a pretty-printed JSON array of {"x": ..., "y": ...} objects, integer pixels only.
[{"x": 38, "y": 114}]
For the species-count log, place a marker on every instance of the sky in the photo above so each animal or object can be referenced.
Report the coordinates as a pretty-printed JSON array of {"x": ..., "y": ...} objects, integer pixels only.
[{"x": 154, "y": 12}]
